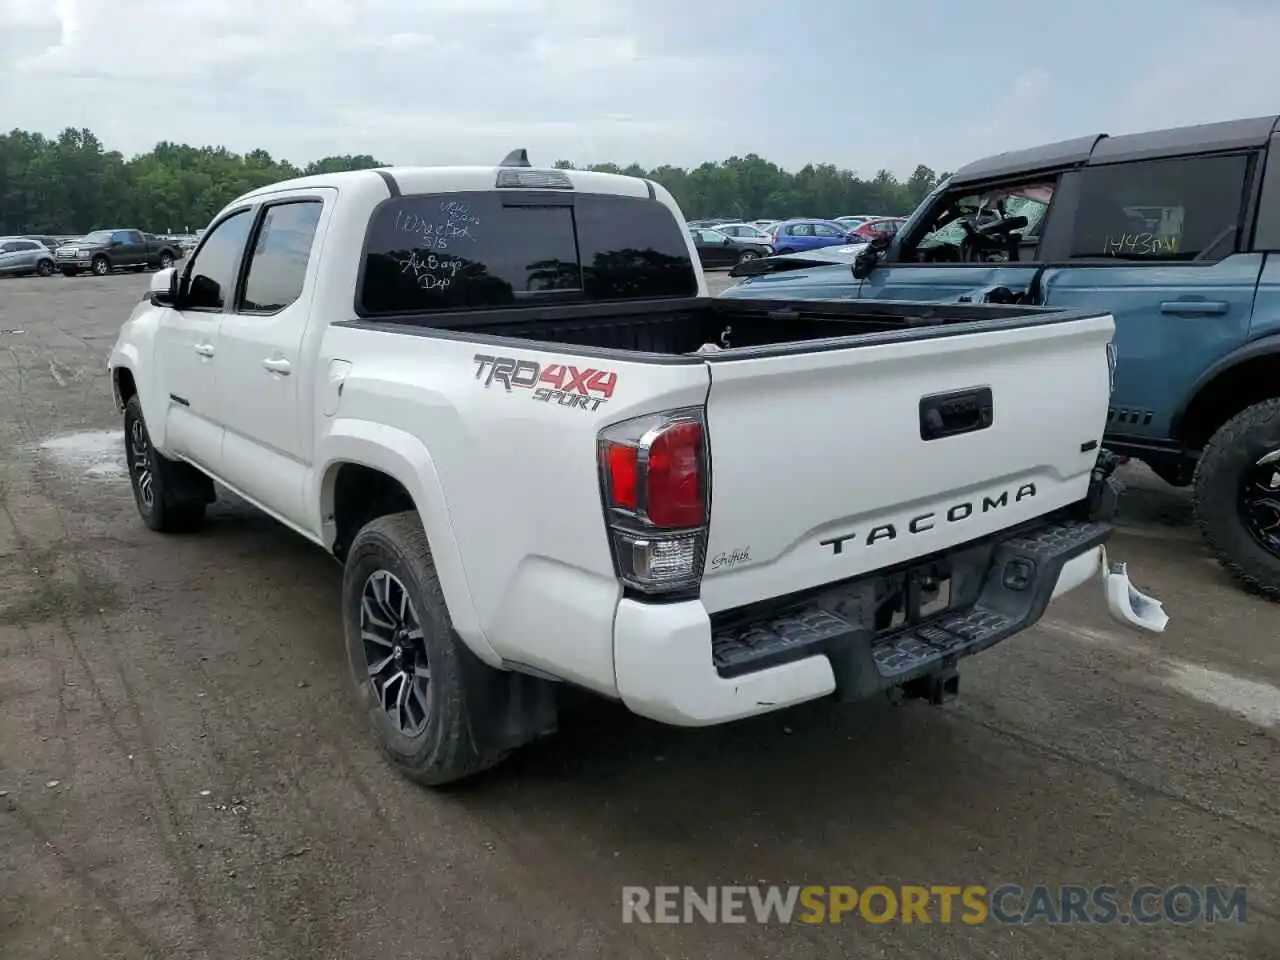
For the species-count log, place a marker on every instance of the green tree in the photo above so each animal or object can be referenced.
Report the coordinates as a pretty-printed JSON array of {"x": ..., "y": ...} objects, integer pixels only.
[{"x": 71, "y": 183}]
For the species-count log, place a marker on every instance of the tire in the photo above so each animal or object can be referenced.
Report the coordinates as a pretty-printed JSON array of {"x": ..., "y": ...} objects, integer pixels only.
[
  {"x": 166, "y": 261},
  {"x": 1229, "y": 465},
  {"x": 101, "y": 266},
  {"x": 392, "y": 553},
  {"x": 44, "y": 268},
  {"x": 158, "y": 487},
  {"x": 747, "y": 256},
  {"x": 69, "y": 272}
]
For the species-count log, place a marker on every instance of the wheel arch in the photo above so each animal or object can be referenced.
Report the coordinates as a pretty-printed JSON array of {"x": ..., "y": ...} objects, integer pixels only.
[
  {"x": 1244, "y": 377},
  {"x": 368, "y": 470}
]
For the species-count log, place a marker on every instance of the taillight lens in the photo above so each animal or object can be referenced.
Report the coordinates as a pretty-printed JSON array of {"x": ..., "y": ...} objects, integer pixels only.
[{"x": 654, "y": 478}]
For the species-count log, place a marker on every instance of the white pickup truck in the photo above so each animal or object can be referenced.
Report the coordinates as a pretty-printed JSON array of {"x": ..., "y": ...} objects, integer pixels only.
[{"x": 502, "y": 398}]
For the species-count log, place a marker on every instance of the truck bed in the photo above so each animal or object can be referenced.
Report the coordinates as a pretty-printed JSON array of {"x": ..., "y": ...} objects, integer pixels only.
[{"x": 672, "y": 328}]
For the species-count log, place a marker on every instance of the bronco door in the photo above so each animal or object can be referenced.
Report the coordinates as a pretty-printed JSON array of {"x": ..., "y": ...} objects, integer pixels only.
[{"x": 1157, "y": 244}]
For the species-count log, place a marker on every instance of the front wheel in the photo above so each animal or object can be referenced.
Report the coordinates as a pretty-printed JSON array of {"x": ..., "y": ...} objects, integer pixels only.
[
  {"x": 44, "y": 268},
  {"x": 101, "y": 266},
  {"x": 407, "y": 664},
  {"x": 1237, "y": 497},
  {"x": 166, "y": 261},
  {"x": 164, "y": 501},
  {"x": 747, "y": 256}
]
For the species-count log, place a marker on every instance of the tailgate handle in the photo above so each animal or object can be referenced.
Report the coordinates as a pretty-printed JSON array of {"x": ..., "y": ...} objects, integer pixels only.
[{"x": 951, "y": 414}]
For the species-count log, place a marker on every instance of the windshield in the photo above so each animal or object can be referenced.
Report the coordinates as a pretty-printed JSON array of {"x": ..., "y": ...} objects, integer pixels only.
[
  {"x": 1028, "y": 201},
  {"x": 98, "y": 236}
]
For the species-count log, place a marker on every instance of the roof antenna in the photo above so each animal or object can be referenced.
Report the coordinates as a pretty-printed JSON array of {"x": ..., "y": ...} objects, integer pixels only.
[{"x": 516, "y": 158}]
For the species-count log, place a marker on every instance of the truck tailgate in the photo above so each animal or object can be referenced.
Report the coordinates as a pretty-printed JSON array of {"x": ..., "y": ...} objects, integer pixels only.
[{"x": 821, "y": 470}]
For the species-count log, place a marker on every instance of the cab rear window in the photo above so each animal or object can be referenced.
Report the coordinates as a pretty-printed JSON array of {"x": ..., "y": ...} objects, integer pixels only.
[{"x": 482, "y": 249}]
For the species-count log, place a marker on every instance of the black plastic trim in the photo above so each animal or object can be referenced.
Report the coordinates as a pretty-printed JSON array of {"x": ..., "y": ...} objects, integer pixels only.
[
  {"x": 988, "y": 319},
  {"x": 1262, "y": 347},
  {"x": 1266, "y": 231},
  {"x": 1000, "y": 586},
  {"x": 393, "y": 187},
  {"x": 180, "y": 400}
]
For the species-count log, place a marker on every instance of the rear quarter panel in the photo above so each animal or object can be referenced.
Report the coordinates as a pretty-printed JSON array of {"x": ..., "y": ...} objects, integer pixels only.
[{"x": 518, "y": 482}]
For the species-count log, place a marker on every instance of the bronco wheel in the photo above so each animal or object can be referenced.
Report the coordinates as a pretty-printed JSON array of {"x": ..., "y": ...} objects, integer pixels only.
[
  {"x": 165, "y": 502},
  {"x": 44, "y": 268},
  {"x": 101, "y": 266},
  {"x": 407, "y": 664},
  {"x": 1237, "y": 497}
]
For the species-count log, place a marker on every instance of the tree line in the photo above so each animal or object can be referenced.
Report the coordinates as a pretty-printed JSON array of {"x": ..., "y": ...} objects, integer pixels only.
[{"x": 70, "y": 183}]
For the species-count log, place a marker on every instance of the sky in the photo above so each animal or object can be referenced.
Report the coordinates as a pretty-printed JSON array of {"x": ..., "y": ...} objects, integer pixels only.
[{"x": 862, "y": 85}]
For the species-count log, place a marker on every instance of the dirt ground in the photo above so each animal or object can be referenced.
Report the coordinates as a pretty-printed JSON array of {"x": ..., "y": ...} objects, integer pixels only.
[{"x": 183, "y": 773}]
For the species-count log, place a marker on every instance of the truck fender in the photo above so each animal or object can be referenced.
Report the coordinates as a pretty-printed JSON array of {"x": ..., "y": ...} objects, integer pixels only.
[
  {"x": 1262, "y": 347},
  {"x": 405, "y": 458}
]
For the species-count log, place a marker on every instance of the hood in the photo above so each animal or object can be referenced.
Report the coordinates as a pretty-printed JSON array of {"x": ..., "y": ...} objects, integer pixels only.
[{"x": 819, "y": 257}]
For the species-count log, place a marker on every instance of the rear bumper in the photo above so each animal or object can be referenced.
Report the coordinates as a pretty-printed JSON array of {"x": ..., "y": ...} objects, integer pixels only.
[{"x": 675, "y": 665}]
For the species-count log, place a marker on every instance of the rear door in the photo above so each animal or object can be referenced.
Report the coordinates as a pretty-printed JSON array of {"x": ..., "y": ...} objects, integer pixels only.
[
  {"x": 824, "y": 465},
  {"x": 1157, "y": 244},
  {"x": 934, "y": 260}
]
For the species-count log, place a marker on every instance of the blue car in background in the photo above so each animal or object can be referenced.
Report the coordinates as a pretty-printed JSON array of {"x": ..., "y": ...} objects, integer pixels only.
[
  {"x": 796, "y": 236},
  {"x": 1176, "y": 233}
]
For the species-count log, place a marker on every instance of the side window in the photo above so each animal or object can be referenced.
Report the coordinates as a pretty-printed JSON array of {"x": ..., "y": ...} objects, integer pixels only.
[
  {"x": 11, "y": 247},
  {"x": 278, "y": 262},
  {"x": 822, "y": 230},
  {"x": 802, "y": 230},
  {"x": 1161, "y": 210},
  {"x": 212, "y": 271}
]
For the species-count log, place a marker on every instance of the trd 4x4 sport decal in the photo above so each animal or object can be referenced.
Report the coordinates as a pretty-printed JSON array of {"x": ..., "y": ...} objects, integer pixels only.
[{"x": 584, "y": 388}]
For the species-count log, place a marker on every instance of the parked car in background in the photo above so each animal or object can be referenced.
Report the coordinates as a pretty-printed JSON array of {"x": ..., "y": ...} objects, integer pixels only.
[
  {"x": 1177, "y": 234},
  {"x": 853, "y": 221},
  {"x": 52, "y": 243},
  {"x": 743, "y": 231},
  {"x": 879, "y": 227},
  {"x": 20, "y": 256},
  {"x": 792, "y": 236},
  {"x": 716, "y": 249},
  {"x": 105, "y": 250}
]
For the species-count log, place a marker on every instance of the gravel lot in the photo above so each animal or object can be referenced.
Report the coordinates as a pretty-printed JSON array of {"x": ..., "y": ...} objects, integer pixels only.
[{"x": 184, "y": 775}]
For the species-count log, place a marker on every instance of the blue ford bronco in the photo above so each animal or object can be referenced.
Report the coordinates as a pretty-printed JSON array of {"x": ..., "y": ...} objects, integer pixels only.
[{"x": 1174, "y": 232}]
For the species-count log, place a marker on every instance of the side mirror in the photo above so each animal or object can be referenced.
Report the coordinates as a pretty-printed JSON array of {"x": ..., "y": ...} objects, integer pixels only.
[
  {"x": 864, "y": 264},
  {"x": 163, "y": 291},
  {"x": 726, "y": 242}
]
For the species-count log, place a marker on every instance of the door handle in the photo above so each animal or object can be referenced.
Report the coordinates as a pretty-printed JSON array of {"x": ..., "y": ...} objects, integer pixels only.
[
  {"x": 278, "y": 366},
  {"x": 204, "y": 349},
  {"x": 1189, "y": 308}
]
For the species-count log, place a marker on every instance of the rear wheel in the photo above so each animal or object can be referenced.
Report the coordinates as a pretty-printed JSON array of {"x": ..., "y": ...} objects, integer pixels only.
[
  {"x": 1237, "y": 497},
  {"x": 166, "y": 261},
  {"x": 169, "y": 498},
  {"x": 101, "y": 266},
  {"x": 747, "y": 256},
  {"x": 408, "y": 666}
]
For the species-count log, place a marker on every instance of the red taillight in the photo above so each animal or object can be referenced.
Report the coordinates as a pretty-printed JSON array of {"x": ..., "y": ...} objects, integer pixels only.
[
  {"x": 655, "y": 478},
  {"x": 673, "y": 481},
  {"x": 621, "y": 462}
]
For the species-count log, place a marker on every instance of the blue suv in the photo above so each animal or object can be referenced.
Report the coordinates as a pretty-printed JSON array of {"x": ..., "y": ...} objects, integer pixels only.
[
  {"x": 795, "y": 236},
  {"x": 1174, "y": 232}
]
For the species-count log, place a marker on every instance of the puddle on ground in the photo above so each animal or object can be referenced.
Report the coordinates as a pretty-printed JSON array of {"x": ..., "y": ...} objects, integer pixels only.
[{"x": 98, "y": 454}]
